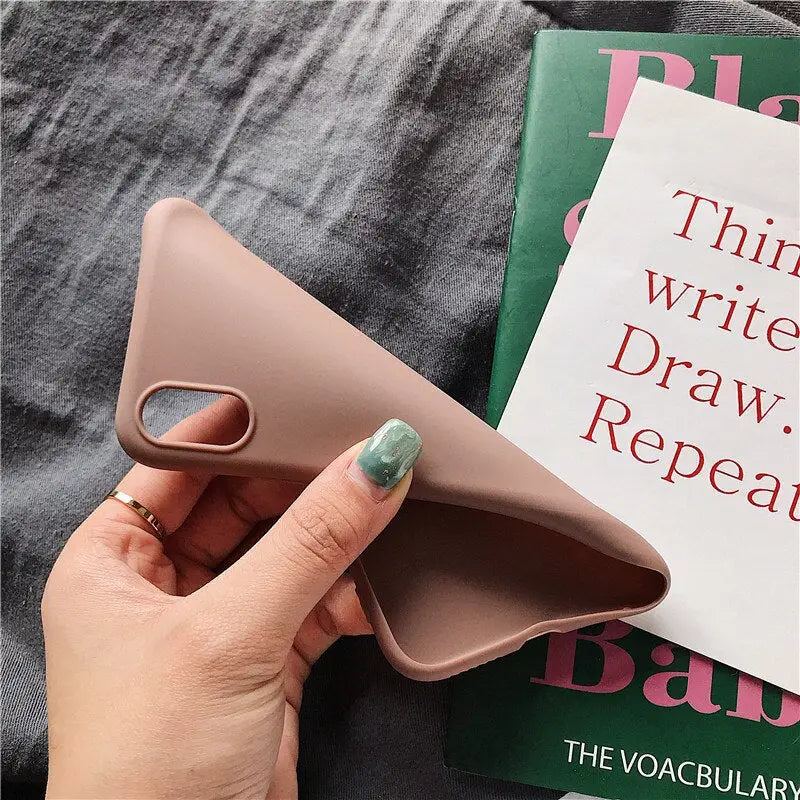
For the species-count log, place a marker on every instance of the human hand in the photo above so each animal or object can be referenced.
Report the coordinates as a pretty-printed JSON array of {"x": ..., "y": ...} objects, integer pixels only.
[{"x": 166, "y": 679}]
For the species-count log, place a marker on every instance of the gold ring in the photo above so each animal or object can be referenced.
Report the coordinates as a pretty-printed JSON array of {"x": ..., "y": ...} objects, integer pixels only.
[{"x": 147, "y": 515}]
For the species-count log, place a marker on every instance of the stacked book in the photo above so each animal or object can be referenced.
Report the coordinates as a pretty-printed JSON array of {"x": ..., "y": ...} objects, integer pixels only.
[{"x": 648, "y": 353}]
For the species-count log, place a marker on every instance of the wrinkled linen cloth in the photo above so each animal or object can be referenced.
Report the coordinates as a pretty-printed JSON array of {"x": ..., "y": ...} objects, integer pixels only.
[{"x": 368, "y": 151}]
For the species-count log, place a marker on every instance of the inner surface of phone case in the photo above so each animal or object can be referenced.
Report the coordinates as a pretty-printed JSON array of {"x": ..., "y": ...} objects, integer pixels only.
[{"x": 489, "y": 551}]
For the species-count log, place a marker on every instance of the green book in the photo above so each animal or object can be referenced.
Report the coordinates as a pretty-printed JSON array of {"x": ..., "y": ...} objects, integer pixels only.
[{"x": 611, "y": 710}]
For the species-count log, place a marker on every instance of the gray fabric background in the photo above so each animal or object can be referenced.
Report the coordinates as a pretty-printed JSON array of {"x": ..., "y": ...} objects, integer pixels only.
[{"x": 366, "y": 150}]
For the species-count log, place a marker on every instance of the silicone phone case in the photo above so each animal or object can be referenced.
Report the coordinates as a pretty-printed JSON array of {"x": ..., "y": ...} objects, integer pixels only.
[{"x": 491, "y": 549}]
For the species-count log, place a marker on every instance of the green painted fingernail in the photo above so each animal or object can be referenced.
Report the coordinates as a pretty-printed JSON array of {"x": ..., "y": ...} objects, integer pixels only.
[{"x": 390, "y": 453}]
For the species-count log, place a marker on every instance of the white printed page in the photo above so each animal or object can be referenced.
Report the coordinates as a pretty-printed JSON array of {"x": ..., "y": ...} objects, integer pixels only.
[{"x": 663, "y": 381}]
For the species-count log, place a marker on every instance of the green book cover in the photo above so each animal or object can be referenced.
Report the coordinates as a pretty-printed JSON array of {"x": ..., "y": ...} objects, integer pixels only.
[
  {"x": 611, "y": 710},
  {"x": 615, "y": 712}
]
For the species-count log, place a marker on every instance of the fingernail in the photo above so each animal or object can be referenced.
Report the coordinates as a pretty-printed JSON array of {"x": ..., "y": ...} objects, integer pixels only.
[{"x": 388, "y": 455}]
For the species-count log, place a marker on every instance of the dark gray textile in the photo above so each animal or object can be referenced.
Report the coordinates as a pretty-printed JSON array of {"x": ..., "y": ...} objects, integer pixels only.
[{"x": 366, "y": 150}]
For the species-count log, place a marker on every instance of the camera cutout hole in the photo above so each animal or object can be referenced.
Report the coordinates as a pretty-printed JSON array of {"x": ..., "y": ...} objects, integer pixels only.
[{"x": 194, "y": 416}]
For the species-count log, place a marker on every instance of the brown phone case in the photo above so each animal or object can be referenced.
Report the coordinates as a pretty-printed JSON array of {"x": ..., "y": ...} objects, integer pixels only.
[{"x": 491, "y": 549}]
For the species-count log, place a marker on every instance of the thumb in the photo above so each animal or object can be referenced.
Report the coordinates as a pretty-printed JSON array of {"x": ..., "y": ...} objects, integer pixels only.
[{"x": 277, "y": 583}]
